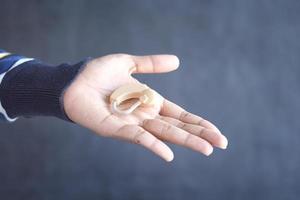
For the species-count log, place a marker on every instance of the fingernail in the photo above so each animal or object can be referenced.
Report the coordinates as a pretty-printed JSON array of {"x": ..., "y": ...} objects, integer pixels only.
[
  {"x": 169, "y": 157},
  {"x": 224, "y": 143},
  {"x": 209, "y": 152}
]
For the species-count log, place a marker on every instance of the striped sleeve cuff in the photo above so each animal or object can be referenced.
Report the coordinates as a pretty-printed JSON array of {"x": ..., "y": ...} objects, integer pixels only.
[
  {"x": 7, "y": 63},
  {"x": 30, "y": 88}
]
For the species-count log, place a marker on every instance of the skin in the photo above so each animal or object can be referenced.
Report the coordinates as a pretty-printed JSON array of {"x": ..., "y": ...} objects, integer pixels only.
[{"x": 86, "y": 102}]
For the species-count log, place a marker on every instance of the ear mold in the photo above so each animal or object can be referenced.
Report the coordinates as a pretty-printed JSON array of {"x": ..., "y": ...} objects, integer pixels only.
[{"x": 141, "y": 92}]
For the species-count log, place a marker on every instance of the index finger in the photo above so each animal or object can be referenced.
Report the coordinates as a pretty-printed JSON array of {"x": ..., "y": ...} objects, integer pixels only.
[{"x": 171, "y": 109}]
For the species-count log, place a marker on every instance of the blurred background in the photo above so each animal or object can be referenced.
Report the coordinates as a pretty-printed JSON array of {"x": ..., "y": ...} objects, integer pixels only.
[{"x": 240, "y": 68}]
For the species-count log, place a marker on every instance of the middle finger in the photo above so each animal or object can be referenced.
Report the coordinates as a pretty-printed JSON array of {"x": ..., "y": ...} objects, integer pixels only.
[{"x": 173, "y": 134}]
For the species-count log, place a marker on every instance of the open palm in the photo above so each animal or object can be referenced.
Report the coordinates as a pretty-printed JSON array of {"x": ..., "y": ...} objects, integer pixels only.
[{"x": 86, "y": 102}]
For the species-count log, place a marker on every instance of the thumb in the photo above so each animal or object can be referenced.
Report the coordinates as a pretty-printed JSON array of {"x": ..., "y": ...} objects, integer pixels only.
[{"x": 155, "y": 63}]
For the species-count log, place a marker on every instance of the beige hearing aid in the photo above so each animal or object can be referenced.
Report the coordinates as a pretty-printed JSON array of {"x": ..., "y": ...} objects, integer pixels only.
[{"x": 141, "y": 92}]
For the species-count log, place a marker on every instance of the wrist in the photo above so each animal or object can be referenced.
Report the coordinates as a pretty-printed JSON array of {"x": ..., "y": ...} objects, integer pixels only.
[{"x": 36, "y": 89}]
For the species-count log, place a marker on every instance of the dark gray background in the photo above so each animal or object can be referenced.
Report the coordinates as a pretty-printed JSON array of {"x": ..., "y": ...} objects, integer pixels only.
[{"x": 239, "y": 68}]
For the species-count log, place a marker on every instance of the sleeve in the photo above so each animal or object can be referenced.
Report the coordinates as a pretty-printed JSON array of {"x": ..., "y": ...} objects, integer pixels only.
[{"x": 30, "y": 88}]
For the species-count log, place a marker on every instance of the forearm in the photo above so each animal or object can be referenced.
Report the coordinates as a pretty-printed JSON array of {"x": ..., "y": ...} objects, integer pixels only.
[{"x": 31, "y": 88}]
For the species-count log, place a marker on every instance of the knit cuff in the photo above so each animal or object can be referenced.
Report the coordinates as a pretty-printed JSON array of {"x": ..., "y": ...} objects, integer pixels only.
[{"x": 36, "y": 89}]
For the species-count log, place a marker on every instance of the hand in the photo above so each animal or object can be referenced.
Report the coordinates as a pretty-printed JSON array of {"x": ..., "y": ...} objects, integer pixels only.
[{"x": 86, "y": 103}]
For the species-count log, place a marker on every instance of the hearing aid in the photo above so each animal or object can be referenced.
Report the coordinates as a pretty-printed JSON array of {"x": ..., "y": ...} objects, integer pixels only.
[{"x": 141, "y": 92}]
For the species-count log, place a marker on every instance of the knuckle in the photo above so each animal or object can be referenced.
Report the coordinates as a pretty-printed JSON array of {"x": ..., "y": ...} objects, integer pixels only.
[
  {"x": 184, "y": 114},
  {"x": 201, "y": 121},
  {"x": 181, "y": 125},
  {"x": 187, "y": 138},
  {"x": 166, "y": 128},
  {"x": 201, "y": 132},
  {"x": 154, "y": 143},
  {"x": 152, "y": 63},
  {"x": 138, "y": 136}
]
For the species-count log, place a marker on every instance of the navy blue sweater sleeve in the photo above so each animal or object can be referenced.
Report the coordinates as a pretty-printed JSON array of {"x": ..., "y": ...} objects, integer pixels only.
[{"x": 32, "y": 88}]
